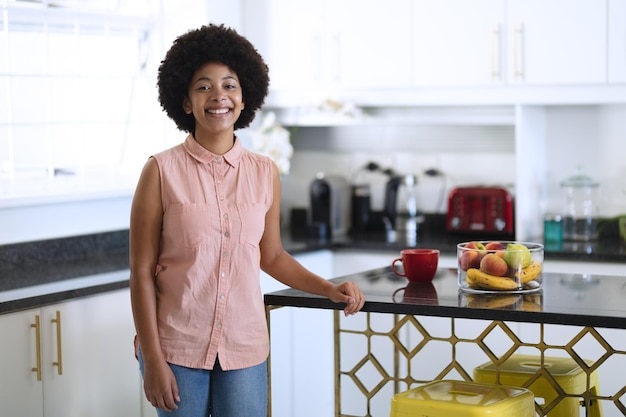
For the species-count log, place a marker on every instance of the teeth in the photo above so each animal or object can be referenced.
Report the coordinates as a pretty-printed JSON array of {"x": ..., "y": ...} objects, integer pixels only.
[{"x": 217, "y": 111}]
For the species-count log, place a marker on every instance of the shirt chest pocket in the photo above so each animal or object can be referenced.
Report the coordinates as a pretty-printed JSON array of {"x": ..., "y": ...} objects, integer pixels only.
[
  {"x": 189, "y": 225},
  {"x": 252, "y": 217}
]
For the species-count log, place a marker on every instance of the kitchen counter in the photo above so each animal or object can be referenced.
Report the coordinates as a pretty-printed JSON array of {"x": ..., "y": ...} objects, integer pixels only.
[{"x": 33, "y": 274}]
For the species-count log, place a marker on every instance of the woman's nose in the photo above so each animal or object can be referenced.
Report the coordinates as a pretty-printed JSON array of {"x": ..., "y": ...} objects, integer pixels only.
[{"x": 217, "y": 94}]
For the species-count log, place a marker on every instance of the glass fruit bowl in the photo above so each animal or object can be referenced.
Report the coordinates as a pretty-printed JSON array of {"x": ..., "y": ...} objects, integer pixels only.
[{"x": 499, "y": 266}]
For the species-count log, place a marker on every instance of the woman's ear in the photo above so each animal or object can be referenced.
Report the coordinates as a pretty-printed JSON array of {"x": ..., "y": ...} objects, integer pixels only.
[{"x": 187, "y": 105}]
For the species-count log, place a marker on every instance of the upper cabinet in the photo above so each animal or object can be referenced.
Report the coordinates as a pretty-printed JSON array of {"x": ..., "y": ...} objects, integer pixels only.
[
  {"x": 495, "y": 42},
  {"x": 320, "y": 48},
  {"x": 458, "y": 42},
  {"x": 617, "y": 41},
  {"x": 371, "y": 43},
  {"x": 432, "y": 52},
  {"x": 556, "y": 41}
]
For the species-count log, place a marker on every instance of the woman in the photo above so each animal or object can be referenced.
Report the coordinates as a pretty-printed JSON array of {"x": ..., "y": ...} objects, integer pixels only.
[{"x": 204, "y": 221}]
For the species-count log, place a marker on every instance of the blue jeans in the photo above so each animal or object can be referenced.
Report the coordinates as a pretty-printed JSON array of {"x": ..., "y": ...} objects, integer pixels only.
[{"x": 219, "y": 393}]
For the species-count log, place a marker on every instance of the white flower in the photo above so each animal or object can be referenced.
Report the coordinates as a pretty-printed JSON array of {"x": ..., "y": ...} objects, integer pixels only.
[{"x": 273, "y": 140}]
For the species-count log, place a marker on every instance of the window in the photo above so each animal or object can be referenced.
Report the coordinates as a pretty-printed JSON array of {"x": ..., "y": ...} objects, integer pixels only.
[{"x": 77, "y": 92}]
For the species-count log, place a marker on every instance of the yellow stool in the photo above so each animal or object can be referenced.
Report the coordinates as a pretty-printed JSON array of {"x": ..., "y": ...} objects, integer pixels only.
[
  {"x": 519, "y": 369},
  {"x": 462, "y": 398}
]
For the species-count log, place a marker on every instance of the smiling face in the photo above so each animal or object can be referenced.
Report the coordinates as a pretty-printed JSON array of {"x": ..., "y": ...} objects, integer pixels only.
[{"x": 215, "y": 99}]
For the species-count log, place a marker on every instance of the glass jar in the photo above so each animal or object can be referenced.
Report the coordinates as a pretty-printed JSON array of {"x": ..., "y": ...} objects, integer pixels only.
[{"x": 580, "y": 214}]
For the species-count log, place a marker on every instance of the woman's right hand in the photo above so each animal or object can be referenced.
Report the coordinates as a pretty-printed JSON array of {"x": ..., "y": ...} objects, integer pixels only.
[{"x": 160, "y": 386}]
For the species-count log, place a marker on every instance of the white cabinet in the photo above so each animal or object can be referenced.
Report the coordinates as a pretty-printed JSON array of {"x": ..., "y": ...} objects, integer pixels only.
[
  {"x": 317, "y": 49},
  {"x": 83, "y": 351},
  {"x": 556, "y": 42},
  {"x": 457, "y": 42},
  {"x": 373, "y": 43},
  {"x": 18, "y": 358},
  {"x": 617, "y": 41},
  {"x": 302, "y": 350}
]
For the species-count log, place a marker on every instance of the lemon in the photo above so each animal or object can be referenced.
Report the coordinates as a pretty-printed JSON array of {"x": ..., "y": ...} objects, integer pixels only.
[{"x": 517, "y": 255}]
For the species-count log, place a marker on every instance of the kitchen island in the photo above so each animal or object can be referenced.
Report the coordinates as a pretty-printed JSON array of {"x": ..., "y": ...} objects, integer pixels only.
[{"x": 413, "y": 334}]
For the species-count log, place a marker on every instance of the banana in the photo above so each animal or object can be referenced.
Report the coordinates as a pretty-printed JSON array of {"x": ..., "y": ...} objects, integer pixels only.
[
  {"x": 530, "y": 306},
  {"x": 478, "y": 279},
  {"x": 497, "y": 301},
  {"x": 531, "y": 302},
  {"x": 531, "y": 272}
]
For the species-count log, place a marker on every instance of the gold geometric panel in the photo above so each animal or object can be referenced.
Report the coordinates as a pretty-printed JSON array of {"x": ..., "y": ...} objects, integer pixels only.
[{"x": 413, "y": 355}]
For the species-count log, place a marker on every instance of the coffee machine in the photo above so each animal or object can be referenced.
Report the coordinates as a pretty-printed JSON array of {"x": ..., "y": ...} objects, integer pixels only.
[
  {"x": 367, "y": 200},
  {"x": 329, "y": 214}
]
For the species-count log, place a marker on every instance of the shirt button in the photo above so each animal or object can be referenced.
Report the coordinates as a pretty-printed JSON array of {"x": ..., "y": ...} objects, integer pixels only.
[
  {"x": 223, "y": 274},
  {"x": 226, "y": 234},
  {"x": 225, "y": 216},
  {"x": 221, "y": 296},
  {"x": 219, "y": 181},
  {"x": 225, "y": 254},
  {"x": 219, "y": 325},
  {"x": 218, "y": 159}
]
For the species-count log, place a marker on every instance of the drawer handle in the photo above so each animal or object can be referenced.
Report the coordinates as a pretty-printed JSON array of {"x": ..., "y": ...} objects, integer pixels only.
[
  {"x": 495, "y": 53},
  {"x": 59, "y": 362},
  {"x": 37, "y": 326}
]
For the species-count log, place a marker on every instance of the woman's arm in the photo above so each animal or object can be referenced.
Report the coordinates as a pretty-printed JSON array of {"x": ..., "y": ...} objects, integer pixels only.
[
  {"x": 276, "y": 262},
  {"x": 145, "y": 233}
]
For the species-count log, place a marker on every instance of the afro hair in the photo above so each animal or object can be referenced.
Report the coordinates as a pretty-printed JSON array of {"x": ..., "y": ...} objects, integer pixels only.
[{"x": 212, "y": 43}]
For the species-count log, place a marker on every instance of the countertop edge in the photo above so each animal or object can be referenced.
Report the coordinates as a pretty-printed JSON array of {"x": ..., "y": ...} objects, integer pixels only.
[
  {"x": 295, "y": 298},
  {"x": 52, "y": 293}
]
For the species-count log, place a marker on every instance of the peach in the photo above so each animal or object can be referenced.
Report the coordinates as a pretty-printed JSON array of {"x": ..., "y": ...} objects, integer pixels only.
[
  {"x": 494, "y": 246},
  {"x": 474, "y": 245},
  {"x": 493, "y": 264},
  {"x": 469, "y": 259}
]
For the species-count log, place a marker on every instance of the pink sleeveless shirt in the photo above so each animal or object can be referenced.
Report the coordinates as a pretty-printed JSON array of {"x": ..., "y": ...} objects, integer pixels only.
[{"x": 209, "y": 299}]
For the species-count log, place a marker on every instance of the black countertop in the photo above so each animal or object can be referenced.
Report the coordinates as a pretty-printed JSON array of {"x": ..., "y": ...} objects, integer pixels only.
[
  {"x": 31, "y": 264},
  {"x": 565, "y": 299}
]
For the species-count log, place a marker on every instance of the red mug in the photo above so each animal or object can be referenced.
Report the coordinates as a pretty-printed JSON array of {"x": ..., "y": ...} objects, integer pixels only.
[{"x": 418, "y": 265}]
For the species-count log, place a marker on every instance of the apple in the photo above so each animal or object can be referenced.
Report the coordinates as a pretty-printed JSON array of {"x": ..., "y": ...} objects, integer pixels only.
[{"x": 517, "y": 255}]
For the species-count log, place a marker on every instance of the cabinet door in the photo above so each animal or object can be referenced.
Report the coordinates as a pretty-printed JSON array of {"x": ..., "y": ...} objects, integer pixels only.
[
  {"x": 557, "y": 41},
  {"x": 100, "y": 375},
  {"x": 291, "y": 35},
  {"x": 301, "y": 349},
  {"x": 458, "y": 42},
  {"x": 313, "y": 354},
  {"x": 21, "y": 394},
  {"x": 370, "y": 45},
  {"x": 617, "y": 41}
]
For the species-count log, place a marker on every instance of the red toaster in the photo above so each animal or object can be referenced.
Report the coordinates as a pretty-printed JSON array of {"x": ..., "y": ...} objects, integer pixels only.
[{"x": 480, "y": 209}]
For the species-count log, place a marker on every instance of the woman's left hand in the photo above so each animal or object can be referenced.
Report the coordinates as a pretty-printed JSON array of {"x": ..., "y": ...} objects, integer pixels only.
[{"x": 349, "y": 293}]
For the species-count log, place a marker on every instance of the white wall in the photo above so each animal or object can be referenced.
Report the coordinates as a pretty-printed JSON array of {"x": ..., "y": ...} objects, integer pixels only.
[{"x": 591, "y": 136}]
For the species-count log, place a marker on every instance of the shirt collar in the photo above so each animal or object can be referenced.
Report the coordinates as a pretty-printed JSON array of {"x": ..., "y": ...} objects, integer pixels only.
[{"x": 204, "y": 156}]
